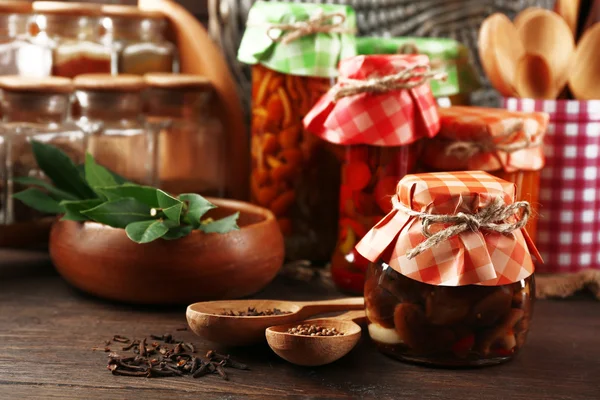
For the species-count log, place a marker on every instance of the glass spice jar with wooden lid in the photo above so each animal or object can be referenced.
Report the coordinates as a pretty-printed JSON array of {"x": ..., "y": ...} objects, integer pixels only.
[
  {"x": 138, "y": 37},
  {"x": 19, "y": 56},
  {"x": 35, "y": 109},
  {"x": 378, "y": 115},
  {"x": 507, "y": 144},
  {"x": 110, "y": 108},
  {"x": 191, "y": 138},
  {"x": 294, "y": 50},
  {"x": 451, "y": 276},
  {"x": 73, "y": 31}
]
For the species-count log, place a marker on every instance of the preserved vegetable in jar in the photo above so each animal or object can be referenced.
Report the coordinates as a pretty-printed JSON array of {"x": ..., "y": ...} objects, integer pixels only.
[
  {"x": 191, "y": 141},
  {"x": 436, "y": 291},
  {"x": 507, "y": 144},
  {"x": 375, "y": 155},
  {"x": 73, "y": 32},
  {"x": 111, "y": 111},
  {"x": 19, "y": 55},
  {"x": 293, "y": 173},
  {"x": 35, "y": 109},
  {"x": 138, "y": 37}
]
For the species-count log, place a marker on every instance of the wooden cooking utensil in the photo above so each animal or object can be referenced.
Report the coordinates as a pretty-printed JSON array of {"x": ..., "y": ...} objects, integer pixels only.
[
  {"x": 546, "y": 34},
  {"x": 568, "y": 10},
  {"x": 206, "y": 320},
  {"x": 534, "y": 78},
  {"x": 312, "y": 351},
  {"x": 585, "y": 73},
  {"x": 500, "y": 48},
  {"x": 199, "y": 55}
]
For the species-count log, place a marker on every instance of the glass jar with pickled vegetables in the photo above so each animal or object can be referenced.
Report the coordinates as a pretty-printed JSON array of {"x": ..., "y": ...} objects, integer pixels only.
[
  {"x": 446, "y": 55},
  {"x": 295, "y": 50},
  {"x": 73, "y": 31},
  {"x": 138, "y": 37},
  {"x": 19, "y": 56},
  {"x": 437, "y": 292},
  {"x": 110, "y": 108},
  {"x": 377, "y": 115},
  {"x": 191, "y": 138},
  {"x": 508, "y": 144},
  {"x": 35, "y": 109}
]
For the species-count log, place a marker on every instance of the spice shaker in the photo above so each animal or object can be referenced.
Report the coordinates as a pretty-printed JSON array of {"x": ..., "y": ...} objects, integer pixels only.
[
  {"x": 138, "y": 38},
  {"x": 507, "y": 144},
  {"x": 191, "y": 138},
  {"x": 19, "y": 55},
  {"x": 73, "y": 32},
  {"x": 33, "y": 109},
  {"x": 378, "y": 113},
  {"x": 294, "y": 50},
  {"x": 111, "y": 110},
  {"x": 450, "y": 281}
]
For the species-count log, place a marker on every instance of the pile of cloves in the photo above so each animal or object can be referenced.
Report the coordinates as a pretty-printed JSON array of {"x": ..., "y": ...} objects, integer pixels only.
[
  {"x": 253, "y": 312},
  {"x": 159, "y": 359}
]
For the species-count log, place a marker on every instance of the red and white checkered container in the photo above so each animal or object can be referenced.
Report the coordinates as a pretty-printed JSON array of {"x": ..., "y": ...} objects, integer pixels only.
[{"x": 569, "y": 227}]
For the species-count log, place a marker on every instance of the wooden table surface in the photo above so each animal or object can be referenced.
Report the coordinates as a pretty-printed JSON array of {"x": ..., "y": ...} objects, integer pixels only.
[{"x": 47, "y": 331}]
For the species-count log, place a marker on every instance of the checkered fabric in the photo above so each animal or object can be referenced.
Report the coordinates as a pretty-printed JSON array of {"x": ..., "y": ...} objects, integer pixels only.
[
  {"x": 472, "y": 257},
  {"x": 396, "y": 118},
  {"x": 569, "y": 227},
  {"x": 315, "y": 55},
  {"x": 493, "y": 125}
]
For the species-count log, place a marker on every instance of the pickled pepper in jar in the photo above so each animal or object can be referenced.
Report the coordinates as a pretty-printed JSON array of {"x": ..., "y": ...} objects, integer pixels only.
[
  {"x": 294, "y": 173},
  {"x": 451, "y": 276},
  {"x": 507, "y": 144},
  {"x": 379, "y": 134}
]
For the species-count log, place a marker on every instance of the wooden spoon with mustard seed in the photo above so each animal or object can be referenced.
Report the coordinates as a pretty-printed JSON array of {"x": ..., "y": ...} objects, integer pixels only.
[
  {"x": 220, "y": 322},
  {"x": 312, "y": 351}
]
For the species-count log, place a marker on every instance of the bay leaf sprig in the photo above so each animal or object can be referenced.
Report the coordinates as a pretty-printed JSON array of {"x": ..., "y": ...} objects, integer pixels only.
[{"x": 91, "y": 192}]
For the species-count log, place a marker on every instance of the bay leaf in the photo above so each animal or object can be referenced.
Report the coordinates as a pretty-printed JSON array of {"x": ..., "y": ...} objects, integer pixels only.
[
  {"x": 39, "y": 201},
  {"x": 96, "y": 175},
  {"x": 178, "y": 232},
  {"x": 73, "y": 209},
  {"x": 146, "y": 231},
  {"x": 143, "y": 194},
  {"x": 61, "y": 170},
  {"x": 119, "y": 213},
  {"x": 197, "y": 207},
  {"x": 171, "y": 206},
  {"x": 53, "y": 190},
  {"x": 222, "y": 225}
]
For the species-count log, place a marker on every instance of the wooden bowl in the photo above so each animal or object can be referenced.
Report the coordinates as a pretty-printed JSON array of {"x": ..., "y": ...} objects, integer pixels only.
[{"x": 103, "y": 261}]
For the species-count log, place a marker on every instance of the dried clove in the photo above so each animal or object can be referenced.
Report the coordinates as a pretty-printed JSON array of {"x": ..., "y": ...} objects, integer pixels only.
[
  {"x": 142, "y": 348},
  {"x": 221, "y": 370},
  {"x": 213, "y": 355},
  {"x": 131, "y": 345},
  {"x": 120, "y": 339}
]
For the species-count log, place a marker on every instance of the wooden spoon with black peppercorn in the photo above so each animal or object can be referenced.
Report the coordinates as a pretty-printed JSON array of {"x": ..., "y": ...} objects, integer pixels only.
[
  {"x": 317, "y": 341},
  {"x": 243, "y": 322}
]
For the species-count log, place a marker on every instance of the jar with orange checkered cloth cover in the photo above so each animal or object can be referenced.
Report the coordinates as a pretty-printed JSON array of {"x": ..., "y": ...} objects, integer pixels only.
[
  {"x": 451, "y": 274},
  {"x": 507, "y": 144},
  {"x": 377, "y": 114}
]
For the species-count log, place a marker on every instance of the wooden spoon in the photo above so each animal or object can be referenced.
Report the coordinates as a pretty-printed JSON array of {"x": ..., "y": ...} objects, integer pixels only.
[
  {"x": 534, "y": 78},
  {"x": 546, "y": 34},
  {"x": 585, "y": 73},
  {"x": 568, "y": 10},
  {"x": 499, "y": 50},
  {"x": 312, "y": 351},
  {"x": 206, "y": 320}
]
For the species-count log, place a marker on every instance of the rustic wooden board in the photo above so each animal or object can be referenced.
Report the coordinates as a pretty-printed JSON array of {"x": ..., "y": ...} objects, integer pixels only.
[{"x": 47, "y": 330}]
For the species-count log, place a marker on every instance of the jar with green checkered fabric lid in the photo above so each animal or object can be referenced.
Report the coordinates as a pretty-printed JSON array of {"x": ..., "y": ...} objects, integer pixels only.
[{"x": 294, "y": 50}]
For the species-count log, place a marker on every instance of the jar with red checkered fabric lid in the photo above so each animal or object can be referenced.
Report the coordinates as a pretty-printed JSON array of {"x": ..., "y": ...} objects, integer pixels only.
[
  {"x": 377, "y": 114},
  {"x": 294, "y": 50},
  {"x": 451, "y": 275},
  {"x": 507, "y": 144}
]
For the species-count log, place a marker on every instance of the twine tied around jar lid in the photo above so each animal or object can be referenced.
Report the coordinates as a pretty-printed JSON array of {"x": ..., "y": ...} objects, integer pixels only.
[
  {"x": 467, "y": 149},
  {"x": 318, "y": 23},
  {"x": 408, "y": 78},
  {"x": 490, "y": 218}
]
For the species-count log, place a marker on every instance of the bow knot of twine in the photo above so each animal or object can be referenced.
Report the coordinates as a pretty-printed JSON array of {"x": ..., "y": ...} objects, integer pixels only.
[
  {"x": 467, "y": 149},
  {"x": 318, "y": 23},
  {"x": 493, "y": 218},
  {"x": 408, "y": 78}
]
